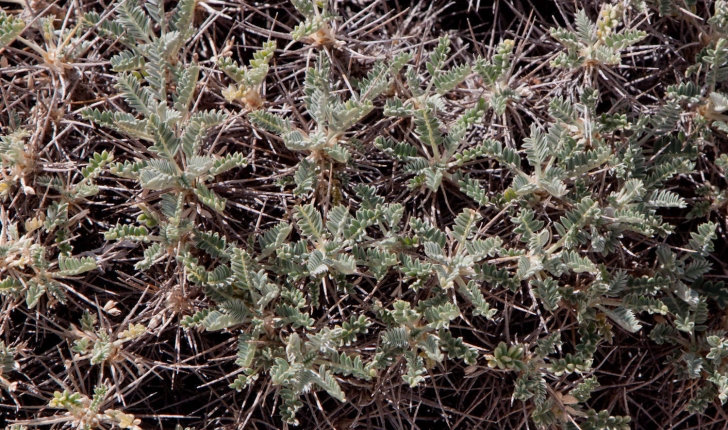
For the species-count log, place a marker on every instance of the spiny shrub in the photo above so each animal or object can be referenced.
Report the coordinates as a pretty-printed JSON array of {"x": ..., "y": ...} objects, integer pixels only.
[{"x": 387, "y": 236}]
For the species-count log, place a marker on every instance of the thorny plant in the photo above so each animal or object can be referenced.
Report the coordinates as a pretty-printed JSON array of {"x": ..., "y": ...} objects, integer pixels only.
[
  {"x": 495, "y": 74},
  {"x": 327, "y": 144},
  {"x": 316, "y": 27},
  {"x": 423, "y": 106},
  {"x": 97, "y": 344},
  {"x": 61, "y": 47},
  {"x": 175, "y": 134},
  {"x": 83, "y": 412},
  {"x": 7, "y": 365},
  {"x": 349, "y": 289},
  {"x": 595, "y": 44},
  {"x": 17, "y": 162},
  {"x": 249, "y": 80}
]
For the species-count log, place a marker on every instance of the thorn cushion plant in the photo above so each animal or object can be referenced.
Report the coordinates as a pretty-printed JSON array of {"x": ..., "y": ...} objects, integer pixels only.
[
  {"x": 174, "y": 163},
  {"x": 237, "y": 215}
]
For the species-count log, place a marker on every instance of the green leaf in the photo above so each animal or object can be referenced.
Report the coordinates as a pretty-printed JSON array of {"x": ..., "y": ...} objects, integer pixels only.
[
  {"x": 156, "y": 67},
  {"x": 578, "y": 264},
  {"x": 96, "y": 163},
  {"x": 71, "y": 266},
  {"x": 496, "y": 69},
  {"x": 192, "y": 138},
  {"x": 465, "y": 226},
  {"x": 305, "y": 178},
  {"x": 537, "y": 148},
  {"x": 244, "y": 268},
  {"x": 447, "y": 81},
  {"x": 479, "y": 249},
  {"x": 209, "y": 198},
  {"x": 290, "y": 404},
  {"x": 472, "y": 188},
  {"x": 345, "y": 365},
  {"x": 152, "y": 253},
  {"x": 493, "y": 149},
  {"x": 10, "y": 286},
  {"x": 415, "y": 369},
  {"x": 433, "y": 178},
  {"x": 272, "y": 239},
  {"x": 246, "y": 351},
  {"x": 227, "y": 162},
  {"x": 624, "y": 39},
  {"x": 155, "y": 8},
  {"x": 127, "y": 61},
  {"x": 128, "y": 232},
  {"x": 527, "y": 225},
  {"x": 271, "y": 122},
  {"x": 472, "y": 292},
  {"x": 135, "y": 21},
  {"x": 625, "y": 318},
  {"x": 186, "y": 87},
  {"x": 212, "y": 243},
  {"x": 182, "y": 17},
  {"x": 33, "y": 294},
  {"x": 216, "y": 321},
  {"x": 438, "y": 56},
  {"x": 315, "y": 264},
  {"x": 309, "y": 222},
  {"x": 327, "y": 382},
  {"x": 139, "y": 98},
  {"x": 166, "y": 143},
  {"x": 339, "y": 153},
  {"x": 158, "y": 174},
  {"x": 585, "y": 29},
  {"x": 428, "y": 128},
  {"x": 572, "y": 224},
  {"x": 10, "y": 28},
  {"x": 375, "y": 83},
  {"x": 548, "y": 291},
  {"x": 702, "y": 240}
]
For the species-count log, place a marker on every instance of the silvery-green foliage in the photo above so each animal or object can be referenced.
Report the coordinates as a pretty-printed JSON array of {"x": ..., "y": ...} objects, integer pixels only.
[
  {"x": 327, "y": 142},
  {"x": 434, "y": 156},
  {"x": 10, "y": 28},
  {"x": 25, "y": 269},
  {"x": 175, "y": 163},
  {"x": 591, "y": 44},
  {"x": 248, "y": 80},
  {"x": 316, "y": 27},
  {"x": 87, "y": 413},
  {"x": 100, "y": 346},
  {"x": 59, "y": 47},
  {"x": 253, "y": 284},
  {"x": 599, "y": 196},
  {"x": 17, "y": 162},
  {"x": 581, "y": 191},
  {"x": 420, "y": 335},
  {"x": 495, "y": 74},
  {"x": 703, "y": 95},
  {"x": 20, "y": 164},
  {"x": 560, "y": 159},
  {"x": 7, "y": 365},
  {"x": 719, "y": 20}
]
